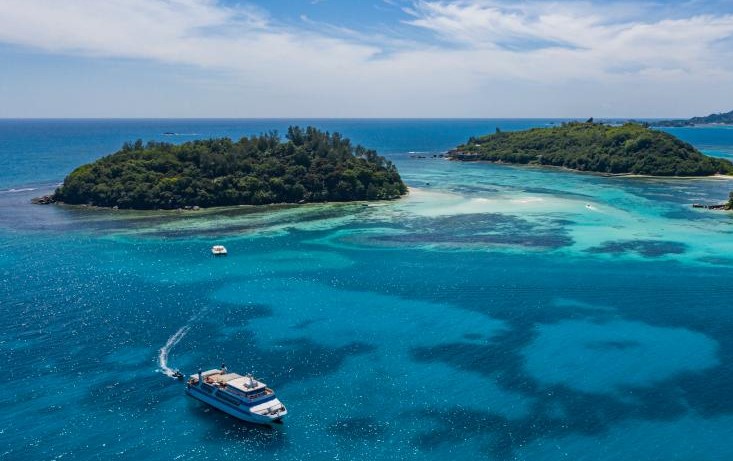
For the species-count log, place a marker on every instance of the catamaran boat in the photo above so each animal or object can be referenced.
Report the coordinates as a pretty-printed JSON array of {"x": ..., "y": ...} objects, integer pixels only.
[
  {"x": 219, "y": 250},
  {"x": 243, "y": 397}
]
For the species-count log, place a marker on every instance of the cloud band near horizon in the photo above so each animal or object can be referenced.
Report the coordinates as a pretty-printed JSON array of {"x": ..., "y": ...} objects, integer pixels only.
[{"x": 468, "y": 58}]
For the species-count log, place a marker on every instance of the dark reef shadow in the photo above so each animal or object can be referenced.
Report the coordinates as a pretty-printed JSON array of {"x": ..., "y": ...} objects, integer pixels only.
[
  {"x": 647, "y": 248},
  {"x": 557, "y": 410},
  {"x": 479, "y": 229}
]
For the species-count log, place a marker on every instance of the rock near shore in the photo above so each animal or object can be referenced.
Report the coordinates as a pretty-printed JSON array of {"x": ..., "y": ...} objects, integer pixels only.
[{"x": 43, "y": 200}]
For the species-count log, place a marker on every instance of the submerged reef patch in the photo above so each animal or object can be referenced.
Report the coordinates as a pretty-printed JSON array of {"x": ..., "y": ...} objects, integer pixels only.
[
  {"x": 647, "y": 248},
  {"x": 717, "y": 260},
  {"x": 615, "y": 355},
  {"x": 475, "y": 230}
]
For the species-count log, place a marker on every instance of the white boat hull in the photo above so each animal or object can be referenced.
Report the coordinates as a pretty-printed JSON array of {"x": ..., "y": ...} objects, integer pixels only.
[
  {"x": 241, "y": 412},
  {"x": 219, "y": 250}
]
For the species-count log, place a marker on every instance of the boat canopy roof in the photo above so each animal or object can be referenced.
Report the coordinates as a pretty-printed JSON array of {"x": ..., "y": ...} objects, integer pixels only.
[
  {"x": 245, "y": 385},
  {"x": 207, "y": 373},
  {"x": 237, "y": 381}
]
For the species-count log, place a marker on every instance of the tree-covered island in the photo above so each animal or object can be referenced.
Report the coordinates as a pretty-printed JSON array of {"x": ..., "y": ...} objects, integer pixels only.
[
  {"x": 725, "y": 118},
  {"x": 308, "y": 166},
  {"x": 626, "y": 149}
]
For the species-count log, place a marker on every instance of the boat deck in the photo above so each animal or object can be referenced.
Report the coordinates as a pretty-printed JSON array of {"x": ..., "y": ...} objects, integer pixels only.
[{"x": 245, "y": 384}]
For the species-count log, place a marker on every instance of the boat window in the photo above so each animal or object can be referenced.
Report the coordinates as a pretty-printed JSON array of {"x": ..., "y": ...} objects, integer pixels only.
[{"x": 227, "y": 398}]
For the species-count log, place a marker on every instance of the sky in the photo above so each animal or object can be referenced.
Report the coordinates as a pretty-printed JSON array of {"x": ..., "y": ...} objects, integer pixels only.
[{"x": 365, "y": 58}]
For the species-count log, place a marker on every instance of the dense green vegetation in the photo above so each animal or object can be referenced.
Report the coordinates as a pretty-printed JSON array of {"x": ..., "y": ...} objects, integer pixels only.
[
  {"x": 726, "y": 118},
  {"x": 310, "y": 166},
  {"x": 630, "y": 148}
]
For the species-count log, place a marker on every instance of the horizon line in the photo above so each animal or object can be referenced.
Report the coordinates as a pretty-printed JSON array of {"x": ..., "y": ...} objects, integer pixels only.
[{"x": 332, "y": 118}]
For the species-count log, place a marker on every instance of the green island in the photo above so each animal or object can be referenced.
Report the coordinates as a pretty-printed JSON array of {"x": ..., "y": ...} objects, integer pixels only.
[
  {"x": 630, "y": 148},
  {"x": 308, "y": 166},
  {"x": 717, "y": 119}
]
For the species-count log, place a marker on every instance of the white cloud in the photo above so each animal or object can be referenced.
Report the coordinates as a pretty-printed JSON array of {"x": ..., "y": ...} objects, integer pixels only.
[
  {"x": 195, "y": 32},
  {"x": 487, "y": 58},
  {"x": 580, "y": 40}
]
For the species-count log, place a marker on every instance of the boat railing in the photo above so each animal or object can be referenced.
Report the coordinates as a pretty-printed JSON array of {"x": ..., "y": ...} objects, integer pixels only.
[
  {"x": 273, "y": 410},
  {"x": 267, "y": 391}
]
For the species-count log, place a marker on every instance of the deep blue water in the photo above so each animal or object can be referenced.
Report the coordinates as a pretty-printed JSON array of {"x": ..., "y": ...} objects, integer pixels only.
[{"x": 495, "y": 313}]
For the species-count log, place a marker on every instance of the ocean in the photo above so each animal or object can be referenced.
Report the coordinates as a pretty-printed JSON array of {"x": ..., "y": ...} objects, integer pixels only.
[{"x": 497, "y": 312}]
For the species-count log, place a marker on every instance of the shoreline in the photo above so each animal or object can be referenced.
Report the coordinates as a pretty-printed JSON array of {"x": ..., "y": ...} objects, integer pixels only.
[
  {"x": 197, "y": 210},
  {"x": 717, "y": 176}
]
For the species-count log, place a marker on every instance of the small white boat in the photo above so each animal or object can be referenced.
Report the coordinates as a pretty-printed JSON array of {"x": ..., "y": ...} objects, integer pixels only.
[
  {"x": 218, "y": 250},
  {"x": 243, "y": 397}
]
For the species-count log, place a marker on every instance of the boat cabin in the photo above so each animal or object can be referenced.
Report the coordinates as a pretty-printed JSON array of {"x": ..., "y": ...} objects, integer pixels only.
[{"x": 243, "y": 386}]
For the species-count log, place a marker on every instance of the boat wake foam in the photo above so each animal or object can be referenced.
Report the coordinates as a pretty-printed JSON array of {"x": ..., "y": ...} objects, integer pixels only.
[
  {"x": 165, "y": 350},
  {"x": 176, "y": 338}
]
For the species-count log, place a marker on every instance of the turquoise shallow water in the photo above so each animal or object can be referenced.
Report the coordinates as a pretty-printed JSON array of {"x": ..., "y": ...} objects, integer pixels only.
[{"x": 494, "y": 313}]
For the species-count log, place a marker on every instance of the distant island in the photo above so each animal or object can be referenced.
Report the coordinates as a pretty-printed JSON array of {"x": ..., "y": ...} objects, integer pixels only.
[
  {"x": 631, "y": 148},
  {"x": 720, "y": 119},
  {"x": 309, "y": 166}
]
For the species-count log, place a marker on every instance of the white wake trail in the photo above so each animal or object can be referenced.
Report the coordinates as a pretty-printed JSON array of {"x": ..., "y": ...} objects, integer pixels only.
[
  {"x": 176, "y": 338},
  {"x": 165, "y": 350}
]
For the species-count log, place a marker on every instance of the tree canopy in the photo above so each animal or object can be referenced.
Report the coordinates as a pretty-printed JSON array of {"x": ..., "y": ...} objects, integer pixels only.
[
  {"x": 308, "y": 166},
  {"x": 629, "y": 148}
]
